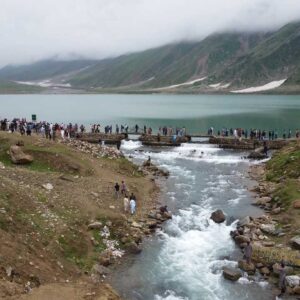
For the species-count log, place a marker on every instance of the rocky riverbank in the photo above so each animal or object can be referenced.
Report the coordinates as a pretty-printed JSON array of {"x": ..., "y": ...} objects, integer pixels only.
[
  {"x": 61, "y": 226},
  {"x": 275, "y": 236}
]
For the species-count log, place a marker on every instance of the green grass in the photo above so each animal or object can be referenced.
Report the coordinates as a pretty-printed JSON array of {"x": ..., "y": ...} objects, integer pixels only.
[
  {"x": 284, "y": 165},
  {"x": 10, "y": 87}
]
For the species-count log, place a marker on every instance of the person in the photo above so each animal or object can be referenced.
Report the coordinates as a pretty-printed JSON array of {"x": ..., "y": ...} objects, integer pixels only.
[
  {"x": 265, "y": 149},
  {"x": 132, "y": 206},
  {"x": 163, "y": 209},
  {"x": 282, "y": 279},
  {"x": 126, "y": 203},
  {"x": 117, "y": 190},
  {"x": 248, "y": 252},
  {"x": 123, "y": 187}
]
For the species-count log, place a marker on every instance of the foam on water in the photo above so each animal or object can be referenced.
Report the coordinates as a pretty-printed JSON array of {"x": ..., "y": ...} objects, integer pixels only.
[
  {"x": 130, "y": 145},
  {"x": 192, "y": 152}
]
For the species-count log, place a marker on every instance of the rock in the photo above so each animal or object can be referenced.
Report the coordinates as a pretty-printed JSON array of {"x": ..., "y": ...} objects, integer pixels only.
[
  {"x": 95, "y": 194},
  {"x": 106, "y": 258},
  {"x": 256, "y": 155},
  {"x": 136, "y": 225},
  {"x": 268, "y": 244},
  {"x": 2, "y": 166},
  {"x": 240, "y": 239},
  {"x": 48, "y": 186},
  {"x": 112, "y": 207},
  {"x": 296, "y": 290},
  {"x": 20, "y": 143},
  {"x": 19, "y": 157},
  {"x": 9, "y": 271},
  {"x": 249, "y": 268},
  {"x": 100, "y": 270},
  {"x": 151, "y": 224},
  {"x": 293, "y": 280},
  {"x": 259, "y": 265},
  {"x": 295, "y": 242},
  {"x": 133, "y": 248},
  {"x": 264, "y": 271},
  {"x": 296, "y": 204},
  {"x": 218, "y": 216},
  {"x": 245, "y": 221},
  {"x": 232, "y": 273},
  {"x": 276, "y": 211},
  {"x": 262, "y": 201},
  {"x": 167, "y": 215},
  {"x": 95, "y": 225},
  {"x": 268, "y": 228}
]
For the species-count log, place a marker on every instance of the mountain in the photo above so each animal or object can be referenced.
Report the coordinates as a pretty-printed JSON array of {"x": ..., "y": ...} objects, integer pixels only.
[
  {"x": 43, "y": 69},
  {"x": 221, "y": 62},
  {"x": 169, "y": 65}
]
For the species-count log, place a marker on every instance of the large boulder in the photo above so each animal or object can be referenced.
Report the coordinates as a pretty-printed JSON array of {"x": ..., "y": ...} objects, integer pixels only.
[
  {"x": 256, "y": 155},
  {"x": 241, "y": 239},
  {"x": 218, "y": 216},
  {"x": 296, "y": 204},
  {"x": 95, "y": 225},
  {"x": 232, "y": 273},
  {"x": 249, "y": 268},
  {"x": 293, "y": 280},
  {"x": 268, "y": 228},
  {"x": 133, "y": 248},
  {"x": 18, "y": 156},
  {"x": 295, "y": 242}
]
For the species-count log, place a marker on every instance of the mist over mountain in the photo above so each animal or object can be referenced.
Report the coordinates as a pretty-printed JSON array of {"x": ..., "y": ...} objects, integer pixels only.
[
  {"x": 219, "y": 63},
  {"x": 98, "y": 29}
]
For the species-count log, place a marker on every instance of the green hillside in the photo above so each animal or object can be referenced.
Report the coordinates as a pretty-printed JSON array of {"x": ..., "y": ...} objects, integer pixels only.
[
  {"x": 277, "y": 57},
  {"x": 43, "y": 69},
  {"x": 170, "y": 64}
]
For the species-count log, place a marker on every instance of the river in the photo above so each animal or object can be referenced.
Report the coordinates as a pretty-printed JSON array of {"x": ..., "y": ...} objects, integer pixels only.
[{"x": 183, "y": 261}]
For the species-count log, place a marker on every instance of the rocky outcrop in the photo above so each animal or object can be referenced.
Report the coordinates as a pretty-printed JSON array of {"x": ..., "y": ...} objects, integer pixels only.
[
  {"x": 150, "y": 168},
  {"x": 249, "y": 268},
  {"x": 218, "y": 216},
  {"x": 256, "y": 155},
  {"x": 296, "y": 204},
  {"x": 295, "y": 242},
  {"x": 18, "y": 156},
  {"x": 232, "y": 274}
]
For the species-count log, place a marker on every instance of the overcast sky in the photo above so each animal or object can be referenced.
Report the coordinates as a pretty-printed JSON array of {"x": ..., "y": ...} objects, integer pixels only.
[{"x": 31, "y": 30}]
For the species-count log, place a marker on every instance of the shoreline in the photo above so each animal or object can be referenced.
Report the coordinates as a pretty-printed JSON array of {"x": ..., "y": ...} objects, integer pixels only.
[
  {"x": 80, "y": 201},
  {"x": 270, "y": 236}
]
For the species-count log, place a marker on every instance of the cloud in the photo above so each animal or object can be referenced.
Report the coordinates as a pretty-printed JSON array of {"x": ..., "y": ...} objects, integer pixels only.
[{"x": 35, "y": 29}]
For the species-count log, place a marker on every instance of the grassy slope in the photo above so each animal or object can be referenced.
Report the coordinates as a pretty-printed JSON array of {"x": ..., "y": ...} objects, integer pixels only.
[
  {"x": 9, "y": 87},
  {"x": 46, "y": 230},
  {"x": 42, "y": 69},
  {"x": 277, "y": 57},
  {"x": 170, "y": 64}
]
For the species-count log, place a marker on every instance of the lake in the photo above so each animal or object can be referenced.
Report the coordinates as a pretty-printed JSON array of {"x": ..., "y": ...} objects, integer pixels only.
[{"x": 196, "y": 112}]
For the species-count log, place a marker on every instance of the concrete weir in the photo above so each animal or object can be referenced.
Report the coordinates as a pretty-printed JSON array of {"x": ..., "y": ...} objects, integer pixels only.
[{"x": 246, "y": 144}]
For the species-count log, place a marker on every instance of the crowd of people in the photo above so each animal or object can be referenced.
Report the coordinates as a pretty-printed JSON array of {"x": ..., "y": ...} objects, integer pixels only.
[
  {"x": 52, "y": 130},
  {"x": 45, "y": 129},
  {"x": 258, "y": 134}
]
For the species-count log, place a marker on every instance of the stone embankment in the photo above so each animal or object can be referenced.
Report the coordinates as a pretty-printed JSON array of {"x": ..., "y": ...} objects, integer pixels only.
[
  {"x": 96, "y": 151},
  {"x": 246, "y": 144},
  {"x": 161, "y": 140},
  {"x": 96, "y": 138},
  {"x": 275, "y": 236}
]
